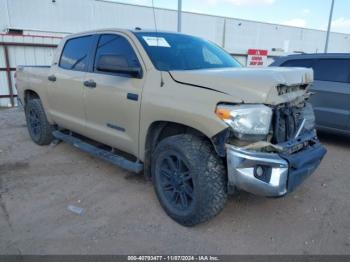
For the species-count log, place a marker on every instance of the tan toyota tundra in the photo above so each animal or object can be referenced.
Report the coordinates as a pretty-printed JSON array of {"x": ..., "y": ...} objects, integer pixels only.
[{"x": 180, "y": 109}]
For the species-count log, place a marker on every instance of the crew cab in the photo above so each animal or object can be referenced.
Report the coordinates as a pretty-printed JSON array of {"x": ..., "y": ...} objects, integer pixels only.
[{"x": 181, "y": 110}]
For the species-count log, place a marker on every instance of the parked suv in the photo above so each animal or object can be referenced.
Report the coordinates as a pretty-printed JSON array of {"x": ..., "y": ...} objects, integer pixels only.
[
  {"x": 179, "y": 108},
  {"x": 331, "y": 100}
]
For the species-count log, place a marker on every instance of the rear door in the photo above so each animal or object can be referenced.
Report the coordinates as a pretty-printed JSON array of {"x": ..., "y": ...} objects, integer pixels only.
[
  {"x": 332, "y": 99},
  {"x": 113, "y": 102},
  {"x": 65, "y": 91},
  {"x": 331, "y": 88}
]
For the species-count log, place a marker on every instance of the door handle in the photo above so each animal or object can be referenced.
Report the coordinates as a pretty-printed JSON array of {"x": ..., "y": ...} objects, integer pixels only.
[
  {"x": 90, "y": 83},
  {"x": 52, "y": 78}
]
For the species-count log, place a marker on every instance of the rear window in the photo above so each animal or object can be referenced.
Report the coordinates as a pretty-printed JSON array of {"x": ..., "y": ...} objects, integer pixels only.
[
  {"x": 75, "y": 55},
  {"x": 333, "y": 70}
]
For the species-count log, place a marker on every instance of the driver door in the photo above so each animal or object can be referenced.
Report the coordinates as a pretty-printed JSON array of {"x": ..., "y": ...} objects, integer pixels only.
[{"x": 113, "y": 99}]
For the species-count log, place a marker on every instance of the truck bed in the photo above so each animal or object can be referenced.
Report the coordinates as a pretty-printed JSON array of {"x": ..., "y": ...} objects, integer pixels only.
[{"x": 32, "y": 78}]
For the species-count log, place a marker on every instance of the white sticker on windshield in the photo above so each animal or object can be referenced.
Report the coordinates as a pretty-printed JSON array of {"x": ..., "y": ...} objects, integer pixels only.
[{"x": 156, "y": 41}]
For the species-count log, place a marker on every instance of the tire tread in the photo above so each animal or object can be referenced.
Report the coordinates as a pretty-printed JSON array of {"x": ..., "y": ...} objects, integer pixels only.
[
  {"x": 212, "y": 179},
  {"x": 46, "y": 136}
]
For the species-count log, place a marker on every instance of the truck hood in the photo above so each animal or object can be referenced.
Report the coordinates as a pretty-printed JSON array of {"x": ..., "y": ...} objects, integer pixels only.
[{"x": 250, "y": 85}]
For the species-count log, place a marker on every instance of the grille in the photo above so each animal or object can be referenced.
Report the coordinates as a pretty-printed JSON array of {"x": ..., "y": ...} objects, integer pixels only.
[
  {"x": 287, "y": 120},
  {"x": 285, "y": 89}
]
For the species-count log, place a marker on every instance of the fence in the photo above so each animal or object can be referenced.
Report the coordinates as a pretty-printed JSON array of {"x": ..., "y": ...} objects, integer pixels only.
[{"x": 21, "y": 50}]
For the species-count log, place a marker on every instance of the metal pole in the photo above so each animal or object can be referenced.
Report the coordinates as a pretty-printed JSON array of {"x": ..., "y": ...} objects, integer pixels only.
[
  {"x": 224, "y": 34},
  {"x": 8, "y": 73},
  {"x": 179, "y": 11},
  {"x": 329, "y": 27}
]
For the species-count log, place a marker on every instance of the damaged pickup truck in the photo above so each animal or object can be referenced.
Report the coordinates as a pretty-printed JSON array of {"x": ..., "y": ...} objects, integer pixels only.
[{"x": 181, "y": 110}]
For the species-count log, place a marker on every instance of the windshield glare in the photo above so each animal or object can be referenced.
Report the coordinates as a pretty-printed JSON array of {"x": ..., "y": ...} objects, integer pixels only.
[{"x": 170, "y": 51}]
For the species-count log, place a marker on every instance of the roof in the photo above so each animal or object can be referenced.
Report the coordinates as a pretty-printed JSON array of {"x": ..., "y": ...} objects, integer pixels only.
[
  {"x": 317, "y": 55},
  {"x": 283, "y": 59},
  {"x": 120, "y": 30}
]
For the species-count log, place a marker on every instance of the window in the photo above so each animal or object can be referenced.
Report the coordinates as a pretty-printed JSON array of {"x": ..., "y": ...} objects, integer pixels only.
[
  {"x": 75, "y": 55},
  {"x": 210, "y": 57},
  {"x": 170, "y": 51},
  {"x": 335, "y": 70},
  {"x": 299, "y": 63},
  {"x": 118, "y": 47}
]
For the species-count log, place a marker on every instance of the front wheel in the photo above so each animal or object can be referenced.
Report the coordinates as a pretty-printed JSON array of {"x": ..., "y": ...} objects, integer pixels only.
[
  {"x": 39, "y": 128},
  {"x": 189, "y": 178}
]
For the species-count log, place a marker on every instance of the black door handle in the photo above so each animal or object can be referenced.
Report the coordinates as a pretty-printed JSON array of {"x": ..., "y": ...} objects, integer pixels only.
[
  {"x": 52, "y": 78},
  {"x": 133, "y": 97},
  {"x": 90, "y": 83}
]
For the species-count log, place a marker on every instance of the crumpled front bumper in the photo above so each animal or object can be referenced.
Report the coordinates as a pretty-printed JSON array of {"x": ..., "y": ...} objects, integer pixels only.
[{"x": 271, "y": 174}]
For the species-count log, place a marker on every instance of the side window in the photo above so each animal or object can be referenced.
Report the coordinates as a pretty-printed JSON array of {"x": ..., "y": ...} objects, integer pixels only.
[
  {"x": 116, "y": 50},
  {"x": 75, "y": 55},
  {"x": 299, "y": 63},
  {"x": 210, "y": 57},
  {"x": 335, "y": 70}
]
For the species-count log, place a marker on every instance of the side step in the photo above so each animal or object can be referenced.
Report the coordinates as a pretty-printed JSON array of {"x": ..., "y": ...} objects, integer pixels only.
[{"x": 101, "y": 153}]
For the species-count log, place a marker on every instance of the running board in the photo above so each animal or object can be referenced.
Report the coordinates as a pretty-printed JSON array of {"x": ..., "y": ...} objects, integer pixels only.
[{"x": 122, "y": 162}]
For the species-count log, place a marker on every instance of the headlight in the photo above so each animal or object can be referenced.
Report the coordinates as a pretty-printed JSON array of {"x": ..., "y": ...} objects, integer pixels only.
[{"x": 246, "y": 120}]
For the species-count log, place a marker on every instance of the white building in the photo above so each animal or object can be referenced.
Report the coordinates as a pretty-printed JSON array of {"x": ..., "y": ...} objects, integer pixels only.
[{"x": 38, "y": 25}]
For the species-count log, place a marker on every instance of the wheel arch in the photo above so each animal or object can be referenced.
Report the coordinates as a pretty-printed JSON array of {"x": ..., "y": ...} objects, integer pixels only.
[
  {"x": 30, "y": 94},
  {"x": 160, "y": 130}
]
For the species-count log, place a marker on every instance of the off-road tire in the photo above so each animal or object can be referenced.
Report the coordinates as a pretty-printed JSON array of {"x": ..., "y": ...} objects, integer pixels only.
[
  {"x": 208, "y": 173},
  {"x": 39, "y": 129}
]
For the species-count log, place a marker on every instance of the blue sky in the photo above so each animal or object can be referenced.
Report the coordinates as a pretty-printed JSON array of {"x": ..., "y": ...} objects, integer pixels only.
[{"x": 301, "y": 13}]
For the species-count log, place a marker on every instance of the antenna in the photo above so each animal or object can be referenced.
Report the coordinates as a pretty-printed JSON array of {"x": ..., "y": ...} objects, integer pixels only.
[
  {"x": 155, "y": 26},
  {"x": 154, "y": 17}
]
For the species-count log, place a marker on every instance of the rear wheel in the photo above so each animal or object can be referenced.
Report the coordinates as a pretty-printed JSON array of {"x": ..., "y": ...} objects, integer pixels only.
[
  {"x": 39, "y": 128},
  {"x": 189, "y": 179}
]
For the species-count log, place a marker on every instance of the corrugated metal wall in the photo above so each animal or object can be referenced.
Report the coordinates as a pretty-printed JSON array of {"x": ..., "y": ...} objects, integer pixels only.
[
  {"x": 79, "y": 15},
  {"x": 22, "y": 55},
  {"x": 61, "y": 17}
]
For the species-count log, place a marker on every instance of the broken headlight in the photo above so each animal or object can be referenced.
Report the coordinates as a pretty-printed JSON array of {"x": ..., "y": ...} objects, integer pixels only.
[{"x": 248, "y": 122}]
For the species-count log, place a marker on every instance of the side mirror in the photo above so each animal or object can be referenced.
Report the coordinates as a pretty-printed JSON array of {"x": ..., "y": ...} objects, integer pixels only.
[{"x": 117, "y": 64}]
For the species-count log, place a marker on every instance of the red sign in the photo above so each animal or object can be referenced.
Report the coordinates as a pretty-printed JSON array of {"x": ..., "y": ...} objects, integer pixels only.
[{"x": 257, "y": 58}]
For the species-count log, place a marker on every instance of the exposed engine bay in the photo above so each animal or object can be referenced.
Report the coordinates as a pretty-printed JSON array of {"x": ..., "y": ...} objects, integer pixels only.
[
  {"x": 292, "y": 129},
  {"x": 290, "y": 121}
]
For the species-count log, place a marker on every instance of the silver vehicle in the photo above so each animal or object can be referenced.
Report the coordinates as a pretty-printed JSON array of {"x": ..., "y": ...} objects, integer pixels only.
[{"x": 331, "y": 86}]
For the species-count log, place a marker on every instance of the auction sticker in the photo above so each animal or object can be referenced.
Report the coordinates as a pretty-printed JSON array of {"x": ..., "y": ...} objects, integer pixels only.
[{"x": 156, "y": 41}]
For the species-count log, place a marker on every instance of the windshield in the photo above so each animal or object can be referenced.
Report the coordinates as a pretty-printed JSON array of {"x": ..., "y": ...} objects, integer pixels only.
[{"x": 170, "y": 51}]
